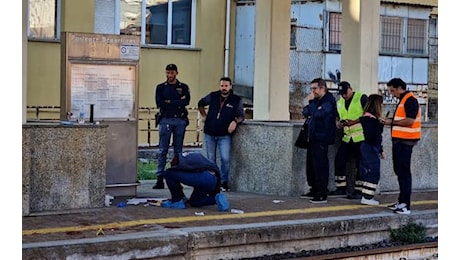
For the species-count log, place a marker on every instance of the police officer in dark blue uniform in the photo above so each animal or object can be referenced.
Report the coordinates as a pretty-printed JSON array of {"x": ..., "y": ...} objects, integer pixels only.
[{"x": 172, "y": 97}]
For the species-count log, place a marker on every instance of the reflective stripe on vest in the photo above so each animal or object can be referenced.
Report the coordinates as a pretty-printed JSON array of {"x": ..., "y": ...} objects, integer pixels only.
[
  {"x": 355, "y": 111},
  {"x": 407, "y": 132}
]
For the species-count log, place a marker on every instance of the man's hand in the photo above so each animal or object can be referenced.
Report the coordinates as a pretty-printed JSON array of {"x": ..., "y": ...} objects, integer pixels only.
[
  {"x": 387, "y": 121},
  {"x": 338, "y": 124},
  {"x": 232, "y": 127}
]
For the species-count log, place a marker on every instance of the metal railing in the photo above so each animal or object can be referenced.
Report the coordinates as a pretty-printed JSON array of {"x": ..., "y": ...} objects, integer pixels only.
[{"x": 146, "y": 124}]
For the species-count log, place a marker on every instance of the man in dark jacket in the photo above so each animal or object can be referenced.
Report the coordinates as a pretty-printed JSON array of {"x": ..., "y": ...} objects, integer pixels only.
[
  {"x": 225, "y": 112},
  {"x": 172, "y": 97},
  {"x": 194, "y": 170},
  {"x": 321, "y": 112}
]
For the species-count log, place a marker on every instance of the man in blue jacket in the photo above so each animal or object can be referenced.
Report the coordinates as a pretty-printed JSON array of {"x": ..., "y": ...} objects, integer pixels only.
[
  {"x": 321, "y": 112},
  {"x": 224, "y": 114},
  {"x": 195, "y": 170}
]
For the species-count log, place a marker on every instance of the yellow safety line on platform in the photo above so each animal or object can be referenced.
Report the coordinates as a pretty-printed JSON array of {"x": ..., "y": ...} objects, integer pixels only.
[{"x": 203, "y": 218}]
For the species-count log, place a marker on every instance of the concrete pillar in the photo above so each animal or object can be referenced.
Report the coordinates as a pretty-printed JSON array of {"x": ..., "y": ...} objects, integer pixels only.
[
  {"x": 24, "y": 61},
  {"x": 360, "y": 44},
  {"x": 271, "y": 72}
]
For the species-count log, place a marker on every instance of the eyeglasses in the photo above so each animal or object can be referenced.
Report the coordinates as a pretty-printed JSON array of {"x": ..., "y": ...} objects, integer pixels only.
[{"x": 314, "y": 88}]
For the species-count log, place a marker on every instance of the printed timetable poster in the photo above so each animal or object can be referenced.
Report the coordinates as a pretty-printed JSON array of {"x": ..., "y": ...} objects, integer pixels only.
[{"x": 110, "y": 88}]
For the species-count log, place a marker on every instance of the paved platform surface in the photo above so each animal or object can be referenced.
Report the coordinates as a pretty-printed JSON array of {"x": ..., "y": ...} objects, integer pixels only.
[{"x": 114, "y": 220}]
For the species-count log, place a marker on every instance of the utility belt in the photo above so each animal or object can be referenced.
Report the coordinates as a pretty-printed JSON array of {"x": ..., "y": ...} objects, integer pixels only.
[{"x": 173, "y": 115}]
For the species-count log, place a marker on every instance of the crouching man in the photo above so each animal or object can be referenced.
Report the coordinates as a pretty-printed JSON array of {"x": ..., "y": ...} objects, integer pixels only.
[{"x": 194, "y": 170}]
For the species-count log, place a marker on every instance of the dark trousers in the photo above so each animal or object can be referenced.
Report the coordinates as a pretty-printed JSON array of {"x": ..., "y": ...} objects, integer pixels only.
[
  {"x": 344, "y": 153},
  {"x": 402, "y": 153},
  {"x": 369, "y": 169},
  {"x": 203, "y": 183},
  {"x": 318, "y": 168}
]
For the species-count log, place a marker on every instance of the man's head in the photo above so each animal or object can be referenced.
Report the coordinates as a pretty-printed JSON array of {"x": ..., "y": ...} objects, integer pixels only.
[
  {"x": 171, "y": 73},
  {"x": 318, "y": 87},
  {"x": 396, "y": 86},
  {"x": 225, "y": 86},
  {"x": 345, "y": 90}
]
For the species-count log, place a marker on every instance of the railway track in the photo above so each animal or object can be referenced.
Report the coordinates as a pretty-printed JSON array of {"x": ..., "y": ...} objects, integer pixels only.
[{"x": 425, "y": 251}]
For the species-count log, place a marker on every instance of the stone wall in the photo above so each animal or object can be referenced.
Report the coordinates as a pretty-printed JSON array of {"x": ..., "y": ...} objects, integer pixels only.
[
  {"x": 265, "y": 160},
  {"x": 63, "y": 167}
]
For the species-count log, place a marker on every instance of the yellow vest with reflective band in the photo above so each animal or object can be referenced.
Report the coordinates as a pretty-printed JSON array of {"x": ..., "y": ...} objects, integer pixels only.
[
  {"x": 355, "y": 111},
  {"x": 407, "y": 132}
]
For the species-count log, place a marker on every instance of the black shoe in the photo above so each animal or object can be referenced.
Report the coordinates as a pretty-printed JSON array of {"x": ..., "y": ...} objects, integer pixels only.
[
  {"x": 307, "y": 195},
  {"x": 354, "y": 196},
  {"x": 160, "y": 183},
  {"x": 338, "y": 192},
  {"x": 319, "y": 200},
  {"x": 224, "y": 186}
]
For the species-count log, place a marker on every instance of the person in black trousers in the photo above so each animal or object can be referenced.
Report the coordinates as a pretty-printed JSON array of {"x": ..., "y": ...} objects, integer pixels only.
[
  {"x": 371, "y": 148},
  {"x": 321, "y": 112},
  {"x": 406, "y": 131}
]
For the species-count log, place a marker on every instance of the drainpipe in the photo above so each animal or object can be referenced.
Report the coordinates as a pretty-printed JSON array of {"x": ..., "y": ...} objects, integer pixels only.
[{"x": 227, "y": 37}]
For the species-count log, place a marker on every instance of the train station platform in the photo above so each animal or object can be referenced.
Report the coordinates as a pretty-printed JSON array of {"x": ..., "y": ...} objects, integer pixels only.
[{"x": 133, "y": 228}]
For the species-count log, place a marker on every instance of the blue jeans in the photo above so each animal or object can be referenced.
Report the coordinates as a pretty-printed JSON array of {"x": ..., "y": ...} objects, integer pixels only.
[
  {"x": 224, "y": 143},
  {"x": 168, "y": 126},
  {"x": 203, "y": 183},
  {"x": 402, "y": 154}
]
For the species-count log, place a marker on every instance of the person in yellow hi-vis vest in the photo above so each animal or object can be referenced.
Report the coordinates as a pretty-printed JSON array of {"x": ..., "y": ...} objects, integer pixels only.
[
  {"x": 406, "y": 131},
  {"x": 350, "y": 107}
]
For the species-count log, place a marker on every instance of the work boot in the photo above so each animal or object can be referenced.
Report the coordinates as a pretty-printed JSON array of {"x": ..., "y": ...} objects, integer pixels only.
[{"x": 160, "y": 183}]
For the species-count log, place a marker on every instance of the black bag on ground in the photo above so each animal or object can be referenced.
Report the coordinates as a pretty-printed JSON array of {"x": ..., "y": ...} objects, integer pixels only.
[{"x": 302, "y": 139}]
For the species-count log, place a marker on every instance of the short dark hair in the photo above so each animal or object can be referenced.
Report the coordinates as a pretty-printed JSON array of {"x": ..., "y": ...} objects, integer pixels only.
[
  {"x": 320, "y": 81},
  {"x": 397, "y": 82},
  {"x": 226, "y": 79}
]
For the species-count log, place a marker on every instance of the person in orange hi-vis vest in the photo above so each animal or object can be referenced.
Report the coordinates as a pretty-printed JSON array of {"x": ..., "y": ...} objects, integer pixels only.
[{"x": 406, "y": 131}]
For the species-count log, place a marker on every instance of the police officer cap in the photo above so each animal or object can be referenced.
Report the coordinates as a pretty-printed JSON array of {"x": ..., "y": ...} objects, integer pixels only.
[{"x": 171, "y": 67}]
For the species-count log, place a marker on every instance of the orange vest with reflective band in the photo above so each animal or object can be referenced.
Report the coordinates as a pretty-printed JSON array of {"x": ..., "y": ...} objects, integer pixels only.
[{"x": 412, "y": 132}]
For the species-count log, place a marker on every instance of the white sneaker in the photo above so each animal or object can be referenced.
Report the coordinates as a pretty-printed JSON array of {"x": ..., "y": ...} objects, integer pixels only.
[
  {"x": 371, "y": 202},
  {"x": 402, "y": 209},
  {"x": 393, "y": 206}
]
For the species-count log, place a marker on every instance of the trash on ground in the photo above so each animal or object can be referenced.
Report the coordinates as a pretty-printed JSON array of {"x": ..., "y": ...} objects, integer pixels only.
[
  {"x": 277, "y": 201},
  {"x": 199, "y": 213},
  {"x": 137, "y": 201},
  {"x": 100, "y": 232},
  {"x": 108, "y": 200},
  {"x": 237, "y": 211}
]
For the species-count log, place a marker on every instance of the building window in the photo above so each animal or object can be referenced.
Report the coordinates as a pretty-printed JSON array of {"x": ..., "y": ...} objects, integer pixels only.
[
  {"x": 335, "y": 31},
  {"x": 43, "y": 19},
  {"x": 398, "y": 35},
  {"x": 164, "y": 22},
  {"x": 391, "y": 34},
  {"x": 403, "y": 35},
  {"x": 417, "y": 31}
]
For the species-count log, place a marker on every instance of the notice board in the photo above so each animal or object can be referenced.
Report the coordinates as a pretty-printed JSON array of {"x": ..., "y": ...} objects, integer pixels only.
[
  {"x": 100, "y": 70},
  {"x": 110, "y": 88}
]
